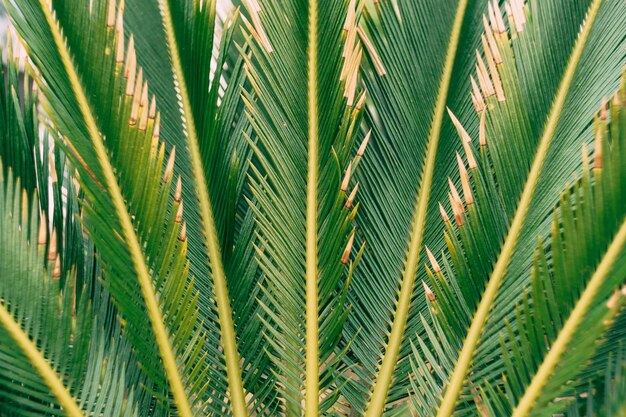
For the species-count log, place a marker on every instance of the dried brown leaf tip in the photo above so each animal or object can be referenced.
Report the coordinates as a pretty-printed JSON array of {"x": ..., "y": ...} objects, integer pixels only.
[
  {"x": 152, "y": 110},
  {"x": 119, "y": 35},
  {"x": 495, "y": 17},
  {"x": 143, "y": 108},
  {"x": 457, "y": 204},
  {"x": 179, "y": 213},
  {"x": 256, "y": 28},
  {"x": 183, "y": 232},
  {"x": 42, "y": 234},
  {"x": 131, "y": 62},
  {"x": 516, "y": 14},
  {"x": 443, "y": 213},
  {"x": 52, "y": 247},
  {"x": 111, "y": 14},
  {"x": 363, "y": 146},
  {"x": 157, "y": 129},
  {"x": 484, "y": 80},
  {"x": 491, "y": 40},
  {"x": 598, "y": 156},
  {"x": 346, "y": 252},
  {"x": 428, "y": 292},
  {"x": 465, "y": 137},
  {"x": 371, "y": 51},
  {"x": 169, "y": 168},
  {"x": 346, "y": 178},
  {"x": 493, "y": 70},
  {"x": 352, "y": 54},
  {"x": 352, "y": 196},
  {"x": 135, "y": 93},
  {"x": 614, "y": 300},
  {"x": 56, "y": 272},
  {"x": 482, "y": 131},
  {"x": 361, "y": 101},
  {"x": 604, "y": 107},
  {"x": 477, "y": 97},
  {"x": 465, "y": 181},
  {"x": 454, "y": 193},
  {"x": 178, "y": 192},
  {"x": 433, "y": 261}
]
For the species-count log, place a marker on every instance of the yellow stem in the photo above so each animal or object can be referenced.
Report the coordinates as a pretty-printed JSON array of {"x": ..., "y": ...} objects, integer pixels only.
[
  {"x": 378, "y": 399},
  {"x": 135, "y": 248},
  {"x": 40, "y": 363},
  {"x": 455, "y": 385},
  {"x": 312, "y": 355},
  {"x": 229, "y": 341},
  {"x": 568, "y": 331}
]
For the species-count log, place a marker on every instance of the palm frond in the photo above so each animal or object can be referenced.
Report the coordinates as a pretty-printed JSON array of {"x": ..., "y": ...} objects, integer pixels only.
[
  {"x": 19, "y": 124},
  {"x": 127, "y": 216},
  {"x": 572, "y": 306},
  {"x": 519, "y": 141},
  {"x": 56, "y": 355},
  {"x": 305, "y": 111},
  {"x": 425, "y": 48},
  {"x": 219, "y": 155}
]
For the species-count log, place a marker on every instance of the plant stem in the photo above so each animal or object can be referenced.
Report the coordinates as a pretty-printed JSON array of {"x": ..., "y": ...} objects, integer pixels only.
[{"x": 312, "y": 319}]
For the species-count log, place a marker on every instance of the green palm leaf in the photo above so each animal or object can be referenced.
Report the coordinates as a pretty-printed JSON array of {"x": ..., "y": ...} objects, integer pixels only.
[
  {"x": 305, "y": 111},
  {"x": 129, "y": 213},
  {"x": 475, "y": 244},
  {"x": 56, "y": 356},
  {"x": 588, "y": 233},
  {"x": 213, "y": 76},
  {"x": 425, "y": 48},
  {"x": 230, "y": 252}
]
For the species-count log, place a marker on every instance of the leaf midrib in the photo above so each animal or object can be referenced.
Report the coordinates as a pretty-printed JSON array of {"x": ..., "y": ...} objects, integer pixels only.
[
  {"x": 222, "y": 297},
  {"x": 135, "y": 248},
  {"x": 312, "y": 308},
  {"x": 455, "y": 385},
  {"x": 385, "y": 375}
]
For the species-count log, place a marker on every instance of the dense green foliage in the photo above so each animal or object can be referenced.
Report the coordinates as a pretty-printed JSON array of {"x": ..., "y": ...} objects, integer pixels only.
[{"x": 342, "y": 208}]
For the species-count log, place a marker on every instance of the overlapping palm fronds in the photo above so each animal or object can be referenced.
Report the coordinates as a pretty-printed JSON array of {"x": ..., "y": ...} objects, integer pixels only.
[{"x": 243, "y": 216}]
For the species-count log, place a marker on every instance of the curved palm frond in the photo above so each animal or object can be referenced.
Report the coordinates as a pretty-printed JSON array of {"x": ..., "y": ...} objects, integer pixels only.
[
  {"x": 127, "y": 216},
  {"x": 566, "y": 313},
  {"x": 211, "y": 69},
  {"x": 527, "y": 141},
  {"x": 305, "y": 111},
  {"x": 57, "y": 358},
  {"x": 425, "y": 48},
  {"x": 232, "y": 253},
  {"x": 216, "y": 150}
]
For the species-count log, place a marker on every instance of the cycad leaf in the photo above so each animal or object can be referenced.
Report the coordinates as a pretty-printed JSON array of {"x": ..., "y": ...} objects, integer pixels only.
[
  {"x": 55, "y": 358},
  {"x": 219, "y": 157},
  {"x": 116, "y": 150},
  {"x": 566, "y": 313},
  {"x": 305, "y": 111},
  {"x": 18, "y": 122},
  {"x": 521, "y": 128},
  {"x": 425, "y": 48}
]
